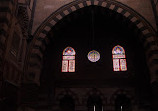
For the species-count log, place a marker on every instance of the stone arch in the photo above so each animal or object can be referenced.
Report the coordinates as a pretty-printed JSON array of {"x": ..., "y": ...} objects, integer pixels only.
[
  {"x": 34, "y": 56},
  {"x": 92, "y": 92},
  {"x": 67, "y": 92},
  {"x": 121, "y": 91}
]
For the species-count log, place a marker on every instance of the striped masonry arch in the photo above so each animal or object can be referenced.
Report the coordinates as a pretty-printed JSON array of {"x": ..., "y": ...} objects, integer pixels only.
[{"x": 35, "y": 54}]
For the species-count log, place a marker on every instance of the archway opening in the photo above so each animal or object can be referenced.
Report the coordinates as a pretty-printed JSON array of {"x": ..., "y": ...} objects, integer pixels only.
[
  {"x": 122, "y": 103},
  {"x": 94, "y": 103}
]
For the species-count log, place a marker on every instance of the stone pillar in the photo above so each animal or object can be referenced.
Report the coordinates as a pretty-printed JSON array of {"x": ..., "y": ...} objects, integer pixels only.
[{"x": 155, "y": 96}]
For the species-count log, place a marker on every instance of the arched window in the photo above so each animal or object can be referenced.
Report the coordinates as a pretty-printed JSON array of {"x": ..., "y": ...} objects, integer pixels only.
[
  {"x": 68, "y": 60},
  {"x": 119, "y": 59}
]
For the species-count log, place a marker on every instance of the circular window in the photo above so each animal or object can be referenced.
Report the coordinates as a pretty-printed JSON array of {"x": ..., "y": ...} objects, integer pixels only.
[{"x": 93, "y": 56}]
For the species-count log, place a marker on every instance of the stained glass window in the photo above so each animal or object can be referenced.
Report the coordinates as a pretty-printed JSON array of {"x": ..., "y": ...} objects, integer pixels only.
[
  {"x": 68, "y": 60},
  {"x": 93, "y": 56},
  {"x": 119, "y": 59}
]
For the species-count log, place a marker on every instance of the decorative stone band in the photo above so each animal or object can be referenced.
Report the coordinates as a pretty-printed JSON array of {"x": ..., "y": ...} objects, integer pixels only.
[{"x": 40, "y": 39}]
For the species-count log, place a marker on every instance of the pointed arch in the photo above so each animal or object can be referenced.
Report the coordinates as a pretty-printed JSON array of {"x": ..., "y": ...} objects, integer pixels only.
[
  {"x": 126, "y": 92},
  {"x": 94, "y": 92},
  {"x": 64, "y": 92},
  {"x": 40, "y": 39}
]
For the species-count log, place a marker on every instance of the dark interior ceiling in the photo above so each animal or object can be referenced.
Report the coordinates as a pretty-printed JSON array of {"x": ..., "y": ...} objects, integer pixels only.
[{"x": 110, "y": 29}]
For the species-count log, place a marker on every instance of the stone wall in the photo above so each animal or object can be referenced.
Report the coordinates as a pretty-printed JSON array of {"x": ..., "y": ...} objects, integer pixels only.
[{"x": 7, "y": 20}]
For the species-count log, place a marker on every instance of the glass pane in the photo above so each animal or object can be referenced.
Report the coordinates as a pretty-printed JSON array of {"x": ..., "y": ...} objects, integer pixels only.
[
  {"x": 69, "y": 51},
  {"x": 64, "y": 66},
  {"x": 123, "y": 65},
  {"x": 118, "y": 50},
  {"x": 71, "y": 65},
  {"x": 116, "y": 65}
]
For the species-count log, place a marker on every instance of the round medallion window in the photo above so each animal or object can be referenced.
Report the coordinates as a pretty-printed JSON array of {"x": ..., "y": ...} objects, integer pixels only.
[{"x": 93, "y": 56}]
